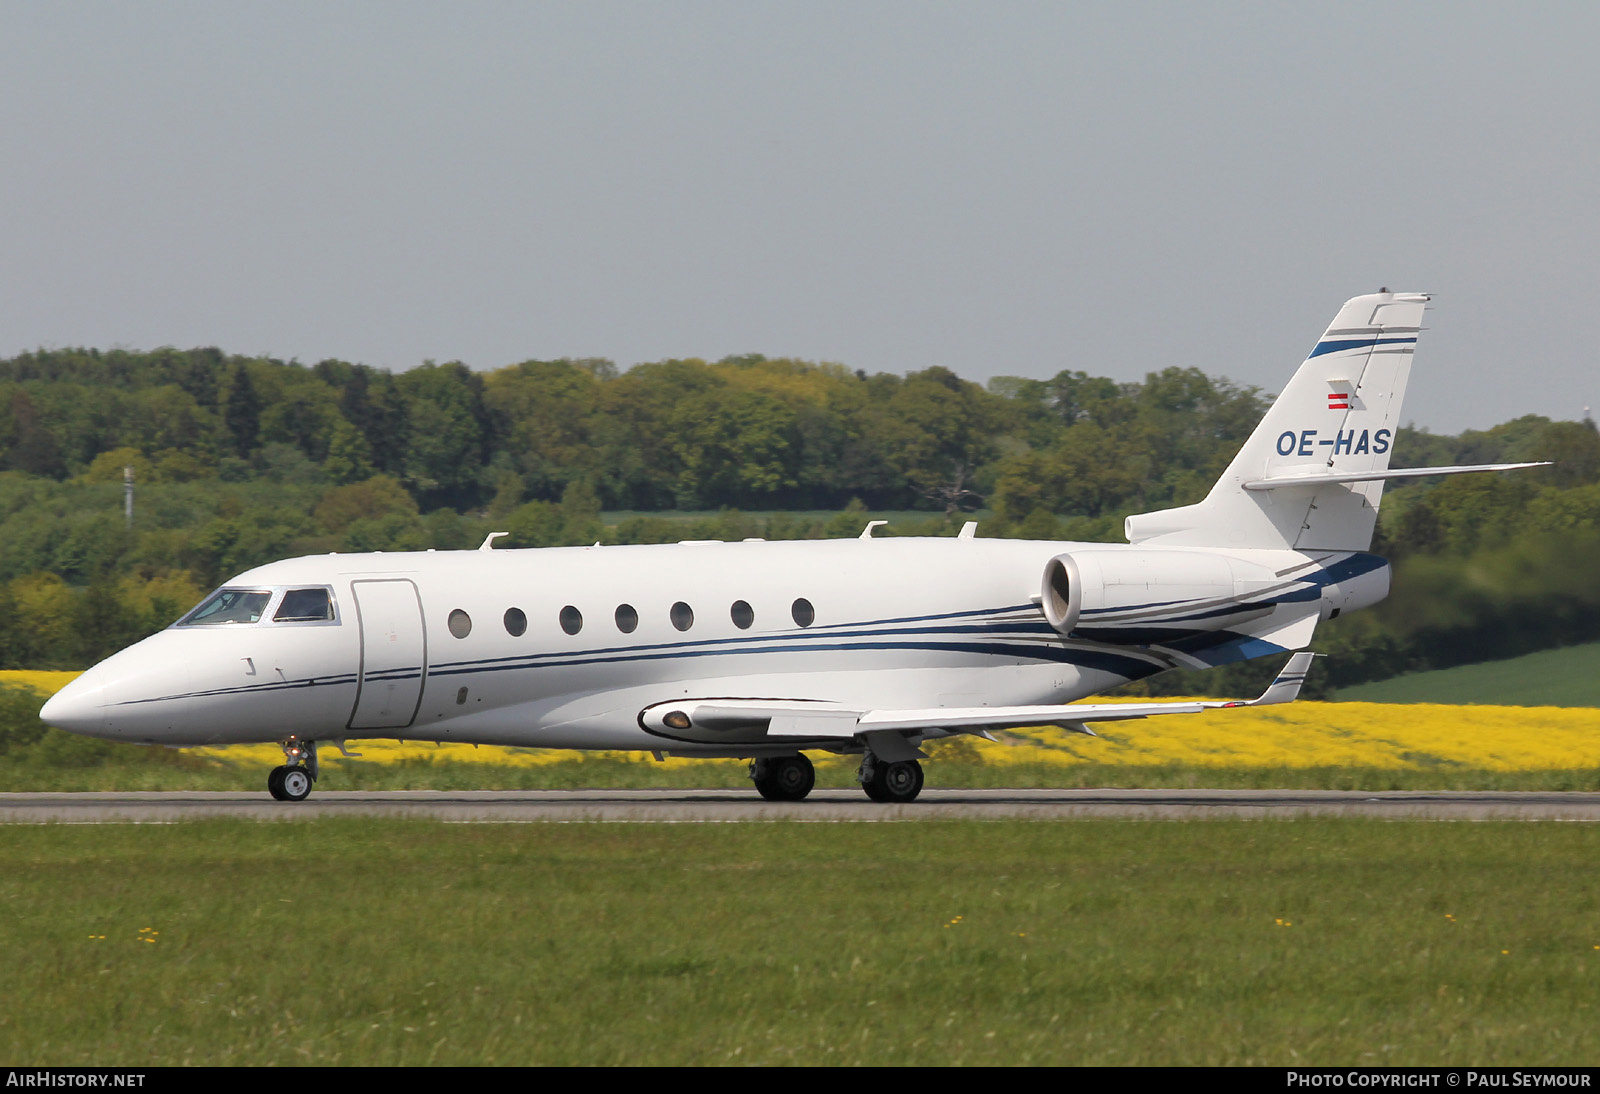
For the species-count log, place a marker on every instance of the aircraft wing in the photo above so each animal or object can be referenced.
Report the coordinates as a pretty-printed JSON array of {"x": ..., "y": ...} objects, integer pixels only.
[{"x": 830, "y": 721}]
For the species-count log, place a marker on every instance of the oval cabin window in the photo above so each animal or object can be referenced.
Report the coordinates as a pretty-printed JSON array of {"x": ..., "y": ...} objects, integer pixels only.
[
  {"x": 571, "y": 619},
  {"x": 682, "y": 616}
]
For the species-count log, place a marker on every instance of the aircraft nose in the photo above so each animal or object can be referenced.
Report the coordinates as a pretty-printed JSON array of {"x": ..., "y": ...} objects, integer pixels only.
[{"x": 77, "y": 708}]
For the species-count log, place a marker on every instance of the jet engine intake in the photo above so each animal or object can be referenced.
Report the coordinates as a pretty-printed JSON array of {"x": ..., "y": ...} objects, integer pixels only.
[
  {"x": 1062, "y": 594},
  {"x": 1153, "y": 590}
]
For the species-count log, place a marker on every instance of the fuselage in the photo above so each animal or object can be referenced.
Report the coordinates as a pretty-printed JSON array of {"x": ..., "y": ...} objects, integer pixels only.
[{"x": 564, "y": 647}]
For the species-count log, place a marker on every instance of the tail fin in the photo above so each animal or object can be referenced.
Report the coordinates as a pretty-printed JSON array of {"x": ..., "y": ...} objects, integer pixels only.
[{"x": 1311, "y": 475}]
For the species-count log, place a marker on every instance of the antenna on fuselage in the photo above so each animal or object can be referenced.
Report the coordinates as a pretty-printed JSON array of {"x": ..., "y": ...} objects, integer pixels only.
[{"x": 488, "y": 540}]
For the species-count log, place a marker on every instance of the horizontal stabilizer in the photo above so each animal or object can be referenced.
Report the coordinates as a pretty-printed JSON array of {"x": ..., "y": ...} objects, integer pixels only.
[
  {"x": 1277, "y": 481},
  {"x": 1337, "y": 416},
  {"x": 1310, "y": 476}
]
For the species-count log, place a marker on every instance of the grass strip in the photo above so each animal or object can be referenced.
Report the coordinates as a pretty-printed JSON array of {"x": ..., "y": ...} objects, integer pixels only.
[
  {"x": 176, "y": 771},
  {"x": 170, "y": 771},
  {"x": 351, "y": 941}
]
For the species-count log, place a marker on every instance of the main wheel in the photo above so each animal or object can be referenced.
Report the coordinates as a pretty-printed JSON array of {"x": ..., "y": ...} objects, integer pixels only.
[
  {"x": 275, "y": 782},
  {"x": 872, "y": 785},
  {"x": 896, "y": 782},
  {"x": 296, "y": 784},
  {"x": 786, "y": 779}
]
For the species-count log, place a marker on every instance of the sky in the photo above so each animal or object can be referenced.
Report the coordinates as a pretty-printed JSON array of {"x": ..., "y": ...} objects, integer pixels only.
[{"x": 997, "y": 188}]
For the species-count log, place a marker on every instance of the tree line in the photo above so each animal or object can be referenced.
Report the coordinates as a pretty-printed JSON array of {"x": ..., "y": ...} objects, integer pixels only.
[
  {"x": 241, "y": 460},
  {"x": 749, "y": 431}
]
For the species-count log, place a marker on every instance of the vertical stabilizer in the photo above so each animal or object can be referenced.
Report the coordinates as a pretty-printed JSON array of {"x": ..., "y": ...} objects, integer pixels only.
[{"x": 1337, "y": 416}]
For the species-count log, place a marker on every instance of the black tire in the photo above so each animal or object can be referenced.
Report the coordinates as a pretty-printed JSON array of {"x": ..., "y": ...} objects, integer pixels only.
[
  {"x": 296, "y": 783},
  {"x": 275, "y": 782},
  {"x": 897, "y": 782},
  {"x": 786, "y": 779}
]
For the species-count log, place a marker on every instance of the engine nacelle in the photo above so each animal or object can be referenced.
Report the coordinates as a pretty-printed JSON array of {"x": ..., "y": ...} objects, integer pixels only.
[
  {"x": 1359, "y": 590},
  {"x": 1143, "y": 592}
]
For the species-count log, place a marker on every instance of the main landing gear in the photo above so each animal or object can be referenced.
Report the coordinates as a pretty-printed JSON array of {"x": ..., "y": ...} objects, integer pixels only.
[
  {"x": 783, "y": 778},
  {"x": 292, "y": 782},
  {"x": 791, "y": 778},
  {"x": 900, "y": 781}
]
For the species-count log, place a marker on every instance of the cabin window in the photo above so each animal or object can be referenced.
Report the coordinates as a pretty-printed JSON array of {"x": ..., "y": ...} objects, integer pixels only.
[
  {"x": 571, "y": 619},
  {"x": 804, "y": 613},
  {"x": 229, "y": 606},
  {"x": 305, "y": 606},
  {"x": 743, "y": 615},
  {"x": 627, "y": 618},
  {"x": 460, "y": 623},
  {"x": 516, "y": 622},
  {"x": 682, "y": 616}
]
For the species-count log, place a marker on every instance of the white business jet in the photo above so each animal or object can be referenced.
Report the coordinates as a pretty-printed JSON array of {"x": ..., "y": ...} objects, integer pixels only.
[{"x": 765, "y": 651}]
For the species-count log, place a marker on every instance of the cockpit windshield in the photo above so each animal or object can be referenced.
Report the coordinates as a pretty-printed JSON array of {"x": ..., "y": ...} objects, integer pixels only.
[
  {"x": 304, "y": 606},
  {"x": 229, "y": 606}
]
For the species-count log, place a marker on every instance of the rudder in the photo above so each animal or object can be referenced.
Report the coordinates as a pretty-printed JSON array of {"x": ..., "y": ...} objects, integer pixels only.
[{"x": 1337, "y": 417}]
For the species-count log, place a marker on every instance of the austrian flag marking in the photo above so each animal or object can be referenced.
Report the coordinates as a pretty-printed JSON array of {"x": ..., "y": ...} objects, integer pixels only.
[{"x": 1339, "y": 400}]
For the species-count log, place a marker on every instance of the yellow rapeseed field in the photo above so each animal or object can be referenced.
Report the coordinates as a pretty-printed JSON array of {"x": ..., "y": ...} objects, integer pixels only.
[
  {"x": 1303, "y": 734},
  {"x": 44, "y": 682},
  {"x": 1307, "y": 734}
]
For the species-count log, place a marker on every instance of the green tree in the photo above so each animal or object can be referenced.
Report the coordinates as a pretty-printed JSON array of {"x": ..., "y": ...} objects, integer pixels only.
[
  {"x": 168, "y": 417},
  {"x": 242, "y": 419},
  {"x": 31, "y": 446},
  {"x": 544, "y": 413},
  {"x": 43, "y": 634},
  {"x": 349, "y": 457},
  {"x": 379, "y": 496},
  {"x": 448, "y": 432},
  {"x": 937, "y": 430}
]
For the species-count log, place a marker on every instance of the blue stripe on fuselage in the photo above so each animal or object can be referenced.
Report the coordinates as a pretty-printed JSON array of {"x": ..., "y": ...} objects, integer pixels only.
[{"x": 1027, "y": 639}]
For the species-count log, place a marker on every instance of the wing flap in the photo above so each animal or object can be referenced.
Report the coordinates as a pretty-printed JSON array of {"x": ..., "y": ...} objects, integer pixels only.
[
  {"x": 704, "y": 720},
  {"x": 831, "y": 724}
]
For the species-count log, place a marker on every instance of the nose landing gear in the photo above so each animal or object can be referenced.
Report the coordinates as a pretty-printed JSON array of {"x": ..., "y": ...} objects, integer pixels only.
[{"x": 292, "y": 782}]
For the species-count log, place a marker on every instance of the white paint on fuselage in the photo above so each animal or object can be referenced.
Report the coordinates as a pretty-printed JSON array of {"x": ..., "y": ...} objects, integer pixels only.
[{"x": 899, "y": 623}]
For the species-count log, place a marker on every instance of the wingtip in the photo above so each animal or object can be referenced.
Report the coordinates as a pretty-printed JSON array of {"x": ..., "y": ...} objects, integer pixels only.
[{"x": 1286, "y": 687}]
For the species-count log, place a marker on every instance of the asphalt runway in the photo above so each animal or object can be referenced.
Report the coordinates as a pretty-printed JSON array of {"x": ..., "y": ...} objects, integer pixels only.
[{"x": 725, "y": 806}]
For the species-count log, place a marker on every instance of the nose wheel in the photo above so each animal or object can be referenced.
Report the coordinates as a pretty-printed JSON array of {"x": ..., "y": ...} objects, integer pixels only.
[
  {"x": 289, "y": 784},
  {"x": 292, "y": 782}
]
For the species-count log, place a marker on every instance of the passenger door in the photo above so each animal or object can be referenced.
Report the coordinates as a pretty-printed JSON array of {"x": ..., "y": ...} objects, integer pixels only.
[{"x": 394, "y": 654}]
